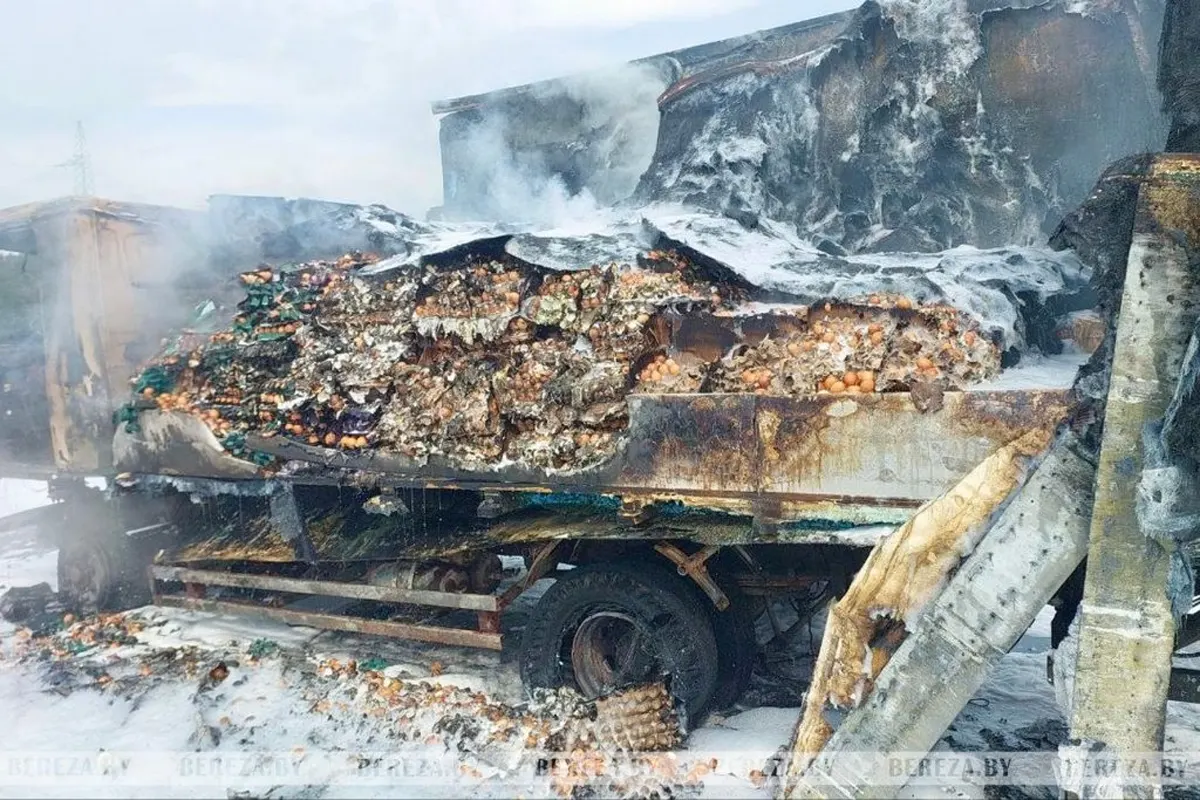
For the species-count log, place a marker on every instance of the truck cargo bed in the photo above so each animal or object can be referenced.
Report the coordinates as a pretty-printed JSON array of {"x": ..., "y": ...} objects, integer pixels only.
[{"x": 866, "y": 459}]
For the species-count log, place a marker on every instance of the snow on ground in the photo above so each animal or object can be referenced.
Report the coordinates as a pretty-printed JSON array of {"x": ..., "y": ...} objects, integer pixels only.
[
  {"x": 178, "y": 703},
  {"x": 18, "y": 495}
]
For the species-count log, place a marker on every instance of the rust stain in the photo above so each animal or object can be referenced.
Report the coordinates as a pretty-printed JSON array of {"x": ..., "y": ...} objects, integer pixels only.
[
  {"x": 797, "y": 447},
  {"x": 1173, "y": 198},
  {"x": 768, "y": 423},
  {"x": 694, "y": 442},
  {"x": 1005, "y": 416}
]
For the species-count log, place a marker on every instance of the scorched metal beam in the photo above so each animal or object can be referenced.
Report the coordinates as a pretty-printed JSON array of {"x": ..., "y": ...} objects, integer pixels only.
[{"x": 1128, "y": 629}]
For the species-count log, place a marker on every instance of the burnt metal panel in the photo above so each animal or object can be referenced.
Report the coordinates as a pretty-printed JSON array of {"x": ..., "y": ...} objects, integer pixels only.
[
  {"x": 107, "y": 270},
  {"x": 828, "y": 457}
]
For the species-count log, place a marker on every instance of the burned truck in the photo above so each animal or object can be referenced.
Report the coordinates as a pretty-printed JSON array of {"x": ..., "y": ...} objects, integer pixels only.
[
  {"x": 385, "y": 429},
  {"x": 704, "y": 400}
]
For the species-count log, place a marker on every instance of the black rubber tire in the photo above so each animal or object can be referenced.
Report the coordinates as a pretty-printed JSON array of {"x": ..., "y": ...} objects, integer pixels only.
[
  {"x": 655, "y": 597},
  {"x": 87, "y": 575},
  {"x": 117, "y": 573},
  {"x": 737, "y": 649}
]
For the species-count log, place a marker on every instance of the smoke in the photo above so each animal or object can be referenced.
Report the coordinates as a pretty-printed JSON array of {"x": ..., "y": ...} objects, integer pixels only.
[
  {"x": 492, "y": 182},
  {"x": 558, "y": 152}
]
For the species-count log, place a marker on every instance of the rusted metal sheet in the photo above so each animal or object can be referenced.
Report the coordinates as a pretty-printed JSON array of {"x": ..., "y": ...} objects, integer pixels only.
[
  {"x": 823, "y": 457},
  {"x": 475, "y": 602},
  {"x": 398, "y": 630}
]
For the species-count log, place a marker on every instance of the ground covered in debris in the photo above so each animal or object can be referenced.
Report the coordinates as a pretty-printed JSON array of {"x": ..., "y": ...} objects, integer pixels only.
[{"x": 221, "y": 706}]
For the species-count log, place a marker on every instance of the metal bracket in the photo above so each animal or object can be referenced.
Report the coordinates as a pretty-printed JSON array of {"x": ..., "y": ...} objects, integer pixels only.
[{"x": 693, "y": 567}]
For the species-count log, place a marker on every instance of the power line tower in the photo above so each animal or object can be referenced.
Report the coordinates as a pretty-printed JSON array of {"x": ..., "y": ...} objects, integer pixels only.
[{"x": 81, "y": 163}]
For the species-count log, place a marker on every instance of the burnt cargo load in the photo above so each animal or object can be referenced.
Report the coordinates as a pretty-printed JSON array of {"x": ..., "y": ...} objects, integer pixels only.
[{"x": 709, "y": 362}]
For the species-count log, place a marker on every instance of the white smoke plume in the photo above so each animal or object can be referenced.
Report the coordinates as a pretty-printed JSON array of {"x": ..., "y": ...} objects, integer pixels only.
[{"x": 506, "y": 156}]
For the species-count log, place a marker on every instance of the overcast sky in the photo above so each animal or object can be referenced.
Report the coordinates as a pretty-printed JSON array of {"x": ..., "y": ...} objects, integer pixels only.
[{"x": 327, "y": 98}]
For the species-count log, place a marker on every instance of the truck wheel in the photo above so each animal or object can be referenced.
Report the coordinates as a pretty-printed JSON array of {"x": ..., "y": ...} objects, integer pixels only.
[
  {"x": 608, "y": 626},
  {"x": 737, "y": 648},
  {"x": 102, "y": 571},
  {"x": 87, "y": 575}
]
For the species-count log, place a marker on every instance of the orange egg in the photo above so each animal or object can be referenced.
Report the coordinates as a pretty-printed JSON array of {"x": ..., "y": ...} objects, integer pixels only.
[
  {"x": 877, "y": 337},
  {"x": 904, "y": 304},
  {"x": 865, "y": 375},
  {"x": 850, "y": 379},
  {"x": 838, "y": 387},
  {"x": 924, "y": 363},
  {"x": 829, "y": 381}
]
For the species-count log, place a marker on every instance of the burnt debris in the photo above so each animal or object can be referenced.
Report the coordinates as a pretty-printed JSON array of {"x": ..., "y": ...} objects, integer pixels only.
[{"x": 494, "y": 361}]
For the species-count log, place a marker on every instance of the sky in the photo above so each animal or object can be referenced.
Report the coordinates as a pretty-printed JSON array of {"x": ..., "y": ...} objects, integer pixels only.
[{"x": 181, "y": 99}]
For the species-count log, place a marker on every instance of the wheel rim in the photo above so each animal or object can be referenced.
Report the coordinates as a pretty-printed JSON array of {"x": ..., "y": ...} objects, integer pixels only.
[
  {"x": 611, "y": 650},
  {"x": 86, "y": 578}
]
